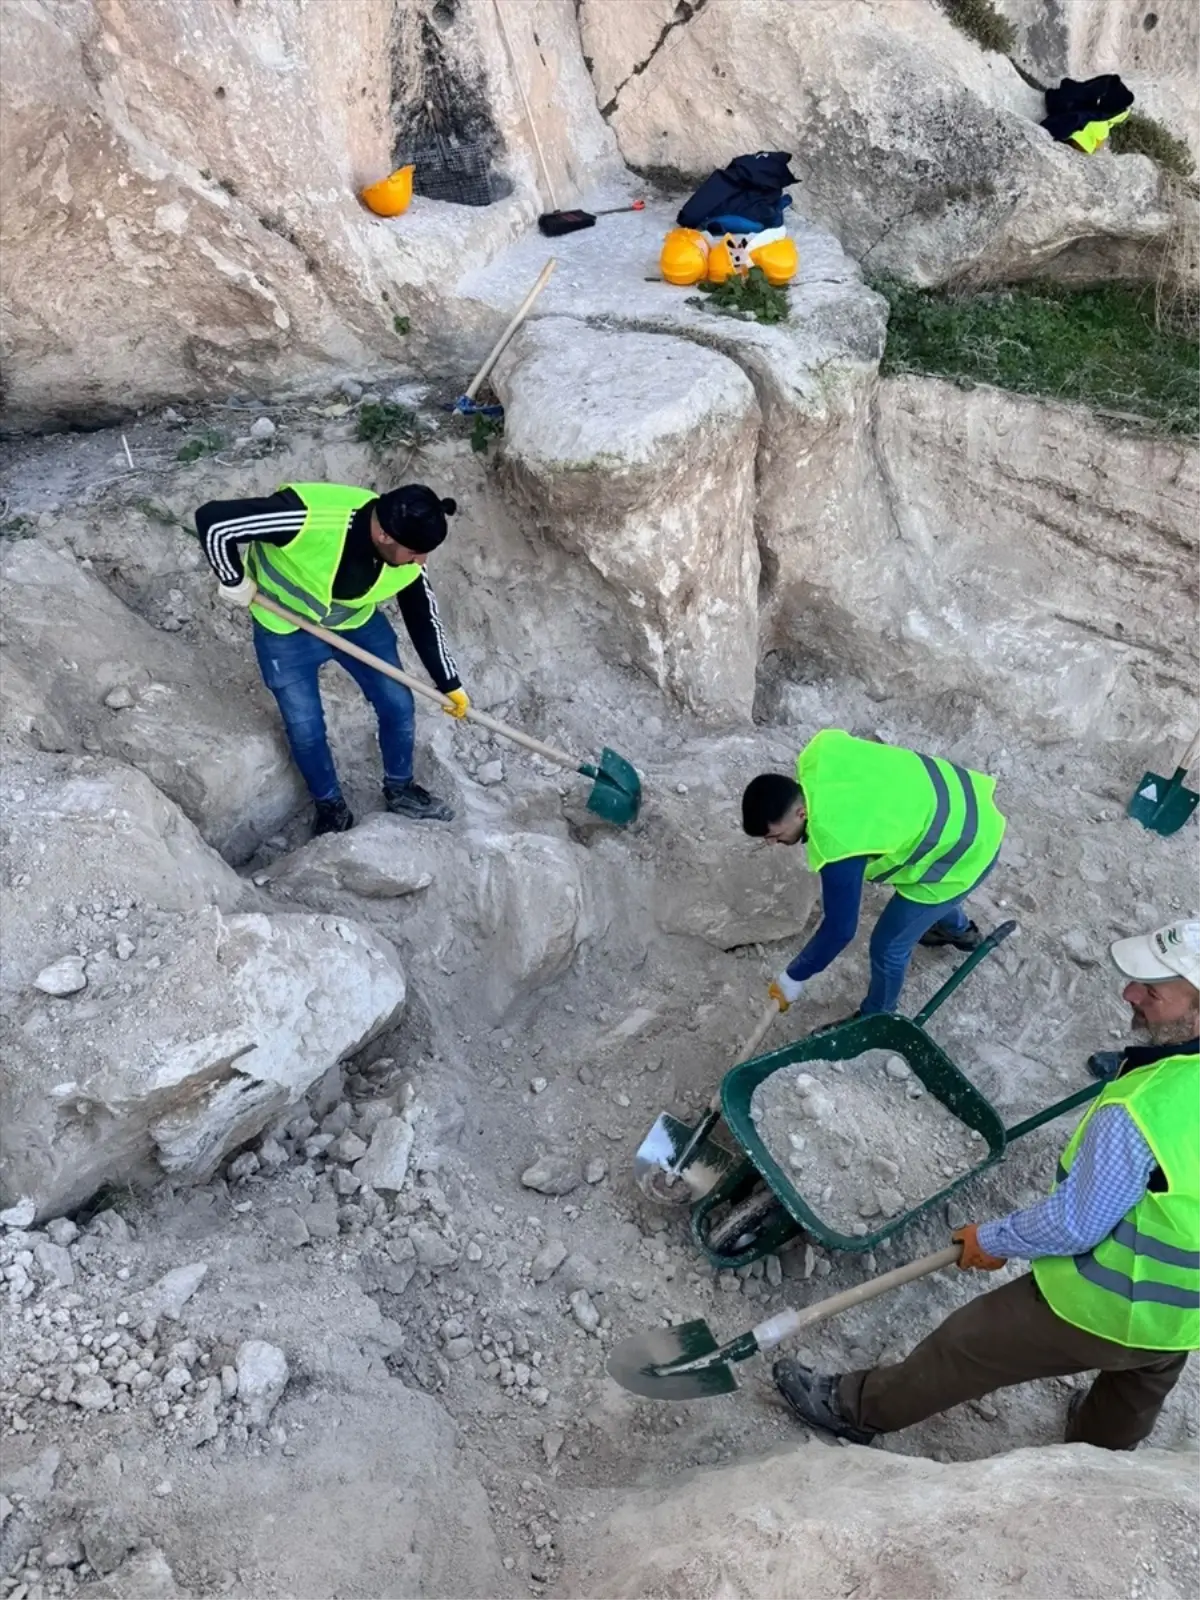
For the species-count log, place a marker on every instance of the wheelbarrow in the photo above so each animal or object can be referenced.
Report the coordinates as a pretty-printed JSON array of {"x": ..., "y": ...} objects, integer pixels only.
[{"x": 755, "y": 1209}]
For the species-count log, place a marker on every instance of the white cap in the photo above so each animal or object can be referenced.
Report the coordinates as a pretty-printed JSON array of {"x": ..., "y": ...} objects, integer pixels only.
[{"x": 1170, "y": 952}]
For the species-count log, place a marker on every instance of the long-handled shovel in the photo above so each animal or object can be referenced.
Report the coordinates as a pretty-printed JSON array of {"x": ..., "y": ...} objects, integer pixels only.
[
  {"x": 466, "y": 404},
  {"x": 616, "y": 792},
  {"x": 1163, "y": 804},
  {"x": 672, "y": 1150},
  {"x": 686, "y": 1363}
]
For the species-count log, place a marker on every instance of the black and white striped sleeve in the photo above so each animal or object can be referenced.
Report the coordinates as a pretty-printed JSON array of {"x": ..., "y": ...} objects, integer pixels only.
[
  {"x": 419, "y": 609},
  {"x": 223, "y": 525}
]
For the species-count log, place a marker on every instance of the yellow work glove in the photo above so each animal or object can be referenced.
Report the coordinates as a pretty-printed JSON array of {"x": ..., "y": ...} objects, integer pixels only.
[
  {"x": 971, "y": 1252},
  {"x": 784, "y": 990},
  {"x": 459, "y": 703}
]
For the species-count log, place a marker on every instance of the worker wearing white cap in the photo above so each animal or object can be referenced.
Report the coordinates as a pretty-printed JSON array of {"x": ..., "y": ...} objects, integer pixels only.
[{"x": 1114, "y": 1249}]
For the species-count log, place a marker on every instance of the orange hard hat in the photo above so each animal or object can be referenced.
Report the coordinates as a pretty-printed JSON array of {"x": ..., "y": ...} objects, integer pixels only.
[
  {"x": 390, "y": 197},
  {"x": 684, "y": 256}
]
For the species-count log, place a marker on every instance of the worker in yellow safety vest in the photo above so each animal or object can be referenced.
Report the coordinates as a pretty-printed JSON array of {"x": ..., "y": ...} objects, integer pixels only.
[
  {"x": 874, "y": 812},
  {"x": 1114, "y": 1284},
  {"x": 333, "y": 554}
]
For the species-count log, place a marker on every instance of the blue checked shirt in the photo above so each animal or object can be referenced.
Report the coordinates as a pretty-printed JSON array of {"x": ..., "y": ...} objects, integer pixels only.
[{"x": 1107, "y": 1179}]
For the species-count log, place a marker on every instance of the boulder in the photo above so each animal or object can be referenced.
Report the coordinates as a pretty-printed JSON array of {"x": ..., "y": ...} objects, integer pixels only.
[
  {"x": 822, "y": 1523},
  {"x": 86, "y": 831},
  {"x": 531, "y": 912},
  {"x": 921, "y": 151},
  {"x": 637, "y": 452},
  {"x": 74, "y": 640},
  {"x": 190, "y": 1057},
  {"x": 381, "y": 859}
]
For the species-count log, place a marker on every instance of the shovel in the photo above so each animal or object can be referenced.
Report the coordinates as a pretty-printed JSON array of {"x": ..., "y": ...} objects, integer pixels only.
[
  {"x": 673, "y": 1150},
  {"x": 1163, "y": 804},
  {"x": 616, "y": 793},
  {"x": 686, "y": 1363},
  {"x": 466, "y": 405}
]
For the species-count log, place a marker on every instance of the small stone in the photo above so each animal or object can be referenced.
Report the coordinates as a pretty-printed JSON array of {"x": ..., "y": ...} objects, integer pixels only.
[
  {"x": 552, "y": 1443},
  {"x": 578, "y": 1272},
  {"x": 62, "y": 1230},
  {"x": 551, "y": 1174},
  {"x": 538, "y": 1085},
  {"x": 1080, "y": 948},
  {"x": 19, "y": 1215},
  {"x": 54, "y": 1263},
  {"x": 984, "y": 1408},
  {"x": 490, "y": 774},
  {"x": 173, "y": 1291},
  {"x": 898, "y": 1069},
  {"x": 62, "y": 978},
  {"x": 548, "y": 1260},
  {"x": 125, "y": 947},
  {"x": 272, "y": 1155},
  {"x": 860, "y": 1230},
  {"x": 163, "y": 1488},
  {"x": 262, "y": 1375},
  {"x": 432, "y": 1250},
  {"x": 891, "y": 1202},
  {"x": 243, "y": 1167},
  {"x": 869, "y": 1206},
  {"x": 288, "y": 1226},
  {"x": 229, "y": 1383},
  {"x": 914, "y": 1091},
  {"x": 62, "y": 1548},
  {"x": 92, "y": 1394},
  {"x": 774, "y": 1271},
  {"x": 385, "y": 1165},
  {"x": 262, "y": 428},
  {"x": 348, "y": 1147},
  {"x": 459, "y": 1349},
  {"x": 344, "y": 1182},
  {"x": 584, "y": 1311},
  {"x": 596, "y": 1170},
  {"x": 321, "y": 1218}
]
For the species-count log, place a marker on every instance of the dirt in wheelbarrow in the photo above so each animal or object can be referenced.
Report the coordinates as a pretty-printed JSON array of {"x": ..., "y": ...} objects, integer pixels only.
[{"x": 861, "y": 1140}]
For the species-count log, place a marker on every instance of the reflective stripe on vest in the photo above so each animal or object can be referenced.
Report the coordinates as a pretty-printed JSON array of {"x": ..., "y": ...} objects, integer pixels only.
[
  {"x": 311, "y": 561},
  {"x": 927, "y": 826},
  {"x": 1140, "y": 1286}
]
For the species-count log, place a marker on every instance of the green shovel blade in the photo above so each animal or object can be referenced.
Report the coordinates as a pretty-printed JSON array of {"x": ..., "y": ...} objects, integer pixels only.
[
  {"x": 617, "y": 791},
  {"x": 645, "y": 1364},
  {"x": 1162, "y": 804}
]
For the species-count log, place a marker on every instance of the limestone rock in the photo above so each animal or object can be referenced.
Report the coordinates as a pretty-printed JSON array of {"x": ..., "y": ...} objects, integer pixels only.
[
  {"x": 637, "y": 452},
  {"x": 71, "y": 637},
  {"x": 385, "y": 1165},
  {"x": 920, "y": 151},
  {"x": 244, "y": 1014},
  {"x": 1092, "y": 1522},
  {"x": 531, "y": 908},
  {"x": 172, "y": 1292},
  {"x": 62, "y": 977},
  {"x": 145, "y": 1575},
  {"x": 382, "y": 858},
  {"x": 551, "y": 1174},
  {"x": 548, "y": 1260},
  {"x": 262, "y": 1375}
]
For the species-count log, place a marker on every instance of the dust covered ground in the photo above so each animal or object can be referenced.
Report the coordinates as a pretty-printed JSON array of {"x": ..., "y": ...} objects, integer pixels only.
[{"x": 447, "y": 1406}]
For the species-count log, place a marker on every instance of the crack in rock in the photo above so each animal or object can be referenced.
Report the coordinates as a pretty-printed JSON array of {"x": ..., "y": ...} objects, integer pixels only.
[{"x": 685, "y": 11}]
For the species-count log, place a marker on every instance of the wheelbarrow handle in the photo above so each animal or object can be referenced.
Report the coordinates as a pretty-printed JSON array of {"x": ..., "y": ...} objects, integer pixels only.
[
  {"x": 996, "y": 937},
  {"x": 349, "y": 648},
  {"x": 782, "y": 1326},
  {"x": 1081, "y": 1097}
]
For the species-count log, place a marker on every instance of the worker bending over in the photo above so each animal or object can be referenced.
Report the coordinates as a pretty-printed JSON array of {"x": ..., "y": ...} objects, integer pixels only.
[
  {"x": 873, "y": 811},
  {"x": 332, "y": 554},
  {"x": 1115, "y": 1250}
]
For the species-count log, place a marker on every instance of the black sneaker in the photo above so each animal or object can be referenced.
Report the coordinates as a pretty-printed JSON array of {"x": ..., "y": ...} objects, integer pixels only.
[
  {"x": 410, "y": 800},
  {"x": 333, "y": 816},
  {"x": 969, "y": 939},
  {"x": 813, "y": 1397}
]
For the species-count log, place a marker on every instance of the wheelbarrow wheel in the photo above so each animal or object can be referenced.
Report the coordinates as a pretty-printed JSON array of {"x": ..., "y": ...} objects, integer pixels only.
[{"x": 741, "y": 1224}]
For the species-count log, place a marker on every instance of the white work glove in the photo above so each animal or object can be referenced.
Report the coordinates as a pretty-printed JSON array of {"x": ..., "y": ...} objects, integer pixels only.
[
  {"x": 238, "y": 594},
  {"x": 784, "y": 990}
]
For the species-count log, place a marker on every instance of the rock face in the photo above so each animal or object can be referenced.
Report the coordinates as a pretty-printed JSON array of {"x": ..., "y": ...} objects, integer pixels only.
[
  {"x": 73, "y": 641},
  {"x": 917, "y": 149},
  {"x": 180, "y": 186},
  {"x": 818, "y": 1522},
  {"x": 637, "y": 451},
  {"x": 991, "y": 547},
  {"x": 240, "y": 1016}
]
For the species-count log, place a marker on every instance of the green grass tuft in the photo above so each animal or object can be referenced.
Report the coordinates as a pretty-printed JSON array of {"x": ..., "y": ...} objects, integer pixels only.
[
  {"x": 1144, "y": 136},
  {"x": 750, "y": 299},
  {"x": 980, "y": 21},
  {"x": 1095, "y": 347},
  {"x": 207, "y": 443},
  {"x": 483, "y": 430},
  {"x": 384, "y": 425}
]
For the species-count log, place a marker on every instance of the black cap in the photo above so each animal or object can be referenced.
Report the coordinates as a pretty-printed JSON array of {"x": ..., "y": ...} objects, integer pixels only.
[{"x": 414, "y": 516}]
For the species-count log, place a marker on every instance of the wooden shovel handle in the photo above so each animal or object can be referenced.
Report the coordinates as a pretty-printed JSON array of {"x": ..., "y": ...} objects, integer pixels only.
[
  {"x": 349, "y": 648},
  {"x": 519, "y": 316},
  {"x": 748, "y": 1047},
  {"x": 777, "y": 1328},
  {"x": 1188, "y": 759}
]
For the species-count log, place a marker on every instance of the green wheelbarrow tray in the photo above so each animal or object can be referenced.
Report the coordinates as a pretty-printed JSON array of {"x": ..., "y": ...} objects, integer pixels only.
[{"x": 903, "y": 1036}]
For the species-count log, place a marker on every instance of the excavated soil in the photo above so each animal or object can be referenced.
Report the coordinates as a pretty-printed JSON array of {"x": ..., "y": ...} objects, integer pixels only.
[{"x": 861, "y": 1139}]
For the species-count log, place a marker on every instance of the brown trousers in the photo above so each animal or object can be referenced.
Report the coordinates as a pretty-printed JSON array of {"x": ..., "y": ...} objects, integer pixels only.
[{"x": 1007, "y": 1337}]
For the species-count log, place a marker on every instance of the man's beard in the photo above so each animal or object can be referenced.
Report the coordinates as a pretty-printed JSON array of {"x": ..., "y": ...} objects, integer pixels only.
[{"x": 1180, "y": 1031}]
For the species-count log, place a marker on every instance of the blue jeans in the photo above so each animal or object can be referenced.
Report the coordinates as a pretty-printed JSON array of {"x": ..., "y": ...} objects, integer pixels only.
[
  {"x": 290, "y": 664},
  {"x": 897, "y": 931}
]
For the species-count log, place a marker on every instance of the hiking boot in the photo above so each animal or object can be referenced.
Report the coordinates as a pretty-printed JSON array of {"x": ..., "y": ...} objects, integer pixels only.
[
  {"x": 969, "y": 939},
  {"x": 410, "y": 800},
  {"x": 813, "y": 1397},
  {"x": 1105, "y": 1064},
  {"x": 333, "y": 816}
]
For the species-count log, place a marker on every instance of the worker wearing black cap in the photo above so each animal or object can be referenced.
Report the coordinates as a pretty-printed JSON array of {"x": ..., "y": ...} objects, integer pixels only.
[{"x": 332, "y": 553}]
